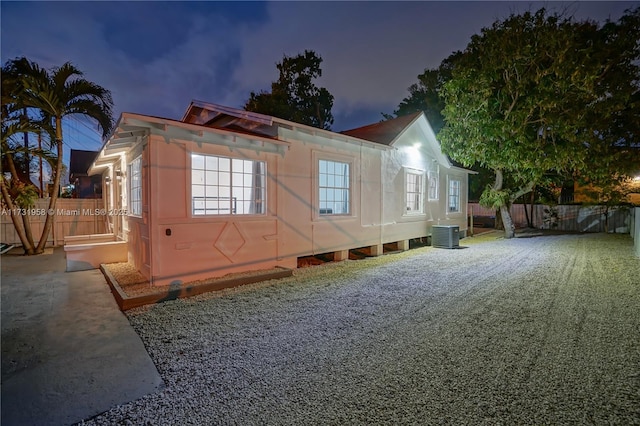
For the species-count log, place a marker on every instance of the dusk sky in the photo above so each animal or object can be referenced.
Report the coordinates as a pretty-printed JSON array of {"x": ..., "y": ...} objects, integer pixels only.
[{"x": 156, "y": 57}]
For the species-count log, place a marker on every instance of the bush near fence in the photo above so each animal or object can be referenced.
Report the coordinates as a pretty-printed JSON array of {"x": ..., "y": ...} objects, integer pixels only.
[
  {"x": 71, "y": 217},
  {"x": 577, "y": 218}
]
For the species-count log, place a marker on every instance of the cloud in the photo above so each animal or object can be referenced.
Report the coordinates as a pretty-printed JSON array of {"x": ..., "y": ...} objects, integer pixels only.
[
  {"x": 373, "y": 51},
  {"x": 156, "y": 76},
  {"x": 157, "y": 56}
]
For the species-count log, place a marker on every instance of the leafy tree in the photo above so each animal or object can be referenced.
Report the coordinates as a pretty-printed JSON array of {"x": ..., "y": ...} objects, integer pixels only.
[
  {"x": 425, "y": 95},
  {"x": 294, "y": 96},
  {"x": 52, "y": 95},
  {"x": 538, "y": 94}
]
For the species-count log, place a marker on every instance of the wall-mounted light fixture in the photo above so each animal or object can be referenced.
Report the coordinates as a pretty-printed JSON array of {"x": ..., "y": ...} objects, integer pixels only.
[{"x": 118, "y": 175}]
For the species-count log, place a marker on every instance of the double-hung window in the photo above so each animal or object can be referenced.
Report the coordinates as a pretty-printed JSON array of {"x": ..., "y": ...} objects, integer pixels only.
[
  {"x": 413, "y": 192},
  {"x": 334, "y": 187},
  {"x": 454, "y": 196},
  {"x": 135, "y": 186},
  {"x": 222, "y": 185}
]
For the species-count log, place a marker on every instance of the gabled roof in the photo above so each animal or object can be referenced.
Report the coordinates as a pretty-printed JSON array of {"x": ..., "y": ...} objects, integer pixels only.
[
  {"x": 384, "y": 132},
  {"x": 211, "y": 123},
  {"x": 413, "y": 127},
  {"x": 80, "y": 161}
]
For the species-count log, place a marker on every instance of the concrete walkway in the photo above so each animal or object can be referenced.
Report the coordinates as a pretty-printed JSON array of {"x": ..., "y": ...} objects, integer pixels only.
[{"x": 68, "y": 353}]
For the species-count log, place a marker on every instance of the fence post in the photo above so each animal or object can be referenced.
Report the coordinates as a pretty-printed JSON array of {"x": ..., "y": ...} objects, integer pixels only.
[{"x": 636, "y": 240}]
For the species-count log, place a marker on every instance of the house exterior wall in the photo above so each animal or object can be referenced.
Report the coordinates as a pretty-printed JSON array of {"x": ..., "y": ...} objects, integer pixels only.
[
  {"x": 169, "y": 244},
  {"x": 138, "y": 226},
  {"x": 184, "y": 247},
  {"x": 304, "y": 230},
  {"x": 397, "y": 224}
]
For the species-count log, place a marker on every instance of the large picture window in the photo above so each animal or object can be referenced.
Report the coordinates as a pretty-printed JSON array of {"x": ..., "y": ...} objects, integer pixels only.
[
  {"x": 454, "y": 196},
  {"x": 413, "y": 192},
  {"x": 221, "y": 185},
  {"x": 334, "y": 187},
  {"x": 135, "y": 187}
]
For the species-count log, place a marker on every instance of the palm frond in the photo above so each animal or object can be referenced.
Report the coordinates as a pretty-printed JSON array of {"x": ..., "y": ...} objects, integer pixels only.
[
  {"x": 64, "y": 73},
  {"x": 99, "y": 111},
  {"x": 11, "y": 129}
]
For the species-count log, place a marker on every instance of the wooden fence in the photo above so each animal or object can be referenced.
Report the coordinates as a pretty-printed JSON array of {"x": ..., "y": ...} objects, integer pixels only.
[
  {"x": 85, "y": 216},
  {"x": 576, "y": 218},
  {"x": 71, "y": 217},
  {"x": 635, "y": 229}
]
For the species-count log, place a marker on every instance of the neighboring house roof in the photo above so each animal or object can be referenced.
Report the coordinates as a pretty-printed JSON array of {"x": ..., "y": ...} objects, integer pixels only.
[
  {"x": 226, "y": 118},
  {"x": 384, "y": 132},
  {"x": 222, "y": 117},
  {"x": 80, "y": 161}
]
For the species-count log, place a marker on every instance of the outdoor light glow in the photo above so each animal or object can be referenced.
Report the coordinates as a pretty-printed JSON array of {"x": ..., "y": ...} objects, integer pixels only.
[{"x": 636, "y": 179}]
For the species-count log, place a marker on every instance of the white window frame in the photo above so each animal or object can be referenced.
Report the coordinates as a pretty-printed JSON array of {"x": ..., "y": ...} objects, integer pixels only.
[
  {"x": 454, "y": 189},
  {"x": 329, "y": 184},
  {"x": 413, "y": 190},
  {"x": 135, "y": 186},
  {"x": 432, "y": 183},
  {"x": 227, "y": 186}
]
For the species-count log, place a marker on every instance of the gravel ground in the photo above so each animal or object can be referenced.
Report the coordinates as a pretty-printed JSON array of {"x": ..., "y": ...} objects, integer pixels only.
[{"x": 542, "y": 330}]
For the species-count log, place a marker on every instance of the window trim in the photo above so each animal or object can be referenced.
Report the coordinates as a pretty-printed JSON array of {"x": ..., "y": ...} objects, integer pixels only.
[
  {"x": 420, "y": 175},
  {"x": 432, "y": 176},
  {"x": 458, "y": 195},
  {"x": 352, "y": 204},
  {"x": 262, "y": 201},
  {"x": 135, "y": 201}
]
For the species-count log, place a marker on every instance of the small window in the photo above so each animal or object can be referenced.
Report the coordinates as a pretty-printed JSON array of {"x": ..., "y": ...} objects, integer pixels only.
[
  {"x": 433, "y": 185},
  {"x": 413, "y": 192},
  {"x": 333, "y": 187},
  {"x": 135, "y": 187},
  {"x": 454, "y": 196},
  {"x": 221, "y": 185}
]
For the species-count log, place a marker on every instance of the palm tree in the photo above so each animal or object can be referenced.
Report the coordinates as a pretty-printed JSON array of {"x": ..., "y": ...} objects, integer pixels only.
[
  {"x": 56, "y": 94},
  {"x": 19, "y": 191}
]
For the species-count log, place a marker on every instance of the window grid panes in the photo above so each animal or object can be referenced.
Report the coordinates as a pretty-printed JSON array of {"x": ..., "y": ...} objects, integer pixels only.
[
  {"x": 454, "y": 195},
  {"x": 334, "y": 184},
  {"x": 414, "y": 192},
  {"x": 433, "y": 185},
  {"x": 221, "y": 185},
  {"x": 135, "y": 187}
]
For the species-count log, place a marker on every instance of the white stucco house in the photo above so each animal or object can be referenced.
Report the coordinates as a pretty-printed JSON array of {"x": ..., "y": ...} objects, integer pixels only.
[{"x": 225, "y": 190}]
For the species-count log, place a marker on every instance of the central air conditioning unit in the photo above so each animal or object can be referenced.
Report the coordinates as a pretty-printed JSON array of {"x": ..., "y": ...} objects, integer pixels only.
[{"x": 445, "y": 236}]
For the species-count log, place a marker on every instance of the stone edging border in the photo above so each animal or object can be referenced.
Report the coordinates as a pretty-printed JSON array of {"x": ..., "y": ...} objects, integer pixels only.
[{"x": 126, "y": 302}]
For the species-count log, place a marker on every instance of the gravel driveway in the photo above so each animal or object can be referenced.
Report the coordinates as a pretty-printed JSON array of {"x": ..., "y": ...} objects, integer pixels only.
[{"x": 542, "y": 330}]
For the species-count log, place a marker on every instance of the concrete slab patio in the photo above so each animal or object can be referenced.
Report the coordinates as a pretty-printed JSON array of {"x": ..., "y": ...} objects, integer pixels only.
[{"x": 68, "y": 352}]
